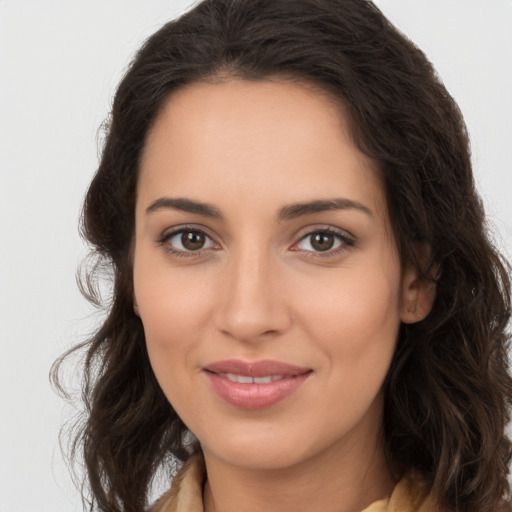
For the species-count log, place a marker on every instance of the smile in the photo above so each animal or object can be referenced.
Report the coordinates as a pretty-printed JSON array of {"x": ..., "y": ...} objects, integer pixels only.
[
  {"x": 245, "y": 379},
  {"x": 257, "y": 385}
]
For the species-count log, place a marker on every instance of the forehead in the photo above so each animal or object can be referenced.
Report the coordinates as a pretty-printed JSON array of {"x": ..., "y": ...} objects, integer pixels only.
[{"x": 278, "y": 141}]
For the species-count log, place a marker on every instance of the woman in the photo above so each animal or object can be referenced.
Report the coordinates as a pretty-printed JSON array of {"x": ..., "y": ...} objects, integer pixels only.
[{"x": 306, "y": 303}]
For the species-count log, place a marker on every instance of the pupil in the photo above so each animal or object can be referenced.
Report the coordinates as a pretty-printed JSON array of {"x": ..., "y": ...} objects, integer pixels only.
[
  {"x": 322, "y": 241},
  {"x": 192, "y": 240}
]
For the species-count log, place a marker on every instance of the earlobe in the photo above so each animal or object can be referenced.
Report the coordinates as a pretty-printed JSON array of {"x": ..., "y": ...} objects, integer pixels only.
[
  {"x": 136, "y": 307},
  {"x": 418, "y": 294}
]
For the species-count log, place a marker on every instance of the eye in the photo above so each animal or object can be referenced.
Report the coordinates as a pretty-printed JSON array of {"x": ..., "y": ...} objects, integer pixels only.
[
  {"x": 324, "y": 241},
  {"x": 187, "y": 240}
]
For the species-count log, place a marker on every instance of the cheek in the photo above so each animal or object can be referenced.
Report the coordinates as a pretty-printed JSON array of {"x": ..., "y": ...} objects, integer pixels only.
[
  {"x": 169, "y": 299},
  {"x": 174, "y": 308},
  {"x": 170, "y": 308},
  {"x": 354, "y": 319},
  {"x": 354, "y": 306},
  {"x": 357, "y": 328}
]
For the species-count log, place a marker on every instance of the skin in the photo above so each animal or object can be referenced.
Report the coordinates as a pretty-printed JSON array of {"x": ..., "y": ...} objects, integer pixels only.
[{"x": 258, "y": 289}]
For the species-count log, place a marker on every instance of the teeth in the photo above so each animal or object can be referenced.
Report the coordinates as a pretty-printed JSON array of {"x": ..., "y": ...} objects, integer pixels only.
[
  {"x": 263, "y": 380},
  {"x": 241, "y": 379},
  {"x": 244, "y": 379}
]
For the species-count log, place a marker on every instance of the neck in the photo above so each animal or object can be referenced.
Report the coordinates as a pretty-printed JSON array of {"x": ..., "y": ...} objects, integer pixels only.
[{"x": 344, "y": 479}]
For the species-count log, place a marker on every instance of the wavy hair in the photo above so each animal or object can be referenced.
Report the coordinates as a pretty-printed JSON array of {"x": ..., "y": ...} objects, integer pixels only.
[{"x": 448, "y": 390}]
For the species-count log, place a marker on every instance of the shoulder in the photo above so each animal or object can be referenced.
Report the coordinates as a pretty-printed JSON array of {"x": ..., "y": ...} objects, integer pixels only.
[
  {"x": 412, "y": 494},
  {"x": 186, "y": 492}
]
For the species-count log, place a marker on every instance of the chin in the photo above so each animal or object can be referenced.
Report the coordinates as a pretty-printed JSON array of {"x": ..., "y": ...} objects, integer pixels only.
[
  {"x": 262, "y": 448},
  {"x": 257, "y": 459}
]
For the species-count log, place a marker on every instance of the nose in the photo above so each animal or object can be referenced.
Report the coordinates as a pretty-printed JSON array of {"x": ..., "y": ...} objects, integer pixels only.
[{"x": 252, "y": 301}]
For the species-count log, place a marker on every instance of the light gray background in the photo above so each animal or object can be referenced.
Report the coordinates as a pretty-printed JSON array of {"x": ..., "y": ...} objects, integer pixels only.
[{"x": 59, "y": 64}]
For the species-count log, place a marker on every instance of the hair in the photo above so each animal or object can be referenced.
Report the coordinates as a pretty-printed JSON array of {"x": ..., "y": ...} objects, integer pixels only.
[{"x": 448, "y": 391}]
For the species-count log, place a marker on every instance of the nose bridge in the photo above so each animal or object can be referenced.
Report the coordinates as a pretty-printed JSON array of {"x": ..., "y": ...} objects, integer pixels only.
[{"x": 251, "y": 303}]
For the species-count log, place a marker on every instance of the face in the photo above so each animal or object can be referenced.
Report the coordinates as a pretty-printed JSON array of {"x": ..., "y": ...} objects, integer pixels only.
[{"x": 266, "y": 274}]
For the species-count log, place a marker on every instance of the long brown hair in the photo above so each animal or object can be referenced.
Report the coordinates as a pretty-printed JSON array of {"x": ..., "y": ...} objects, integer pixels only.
[{"x": 448, "y": 389}]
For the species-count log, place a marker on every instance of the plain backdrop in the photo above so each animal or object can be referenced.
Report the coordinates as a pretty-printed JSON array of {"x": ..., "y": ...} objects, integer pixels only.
[{"x": 59, "y": 64}]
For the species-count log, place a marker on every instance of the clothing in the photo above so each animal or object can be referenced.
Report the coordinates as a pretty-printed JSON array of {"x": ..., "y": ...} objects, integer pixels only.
[{"x": 185, "y": 495}]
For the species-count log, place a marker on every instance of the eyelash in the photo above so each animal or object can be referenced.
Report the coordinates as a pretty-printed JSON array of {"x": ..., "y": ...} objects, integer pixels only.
[
  {"x": 178, "y": 252},
  {"x": 346, "y": 241}
]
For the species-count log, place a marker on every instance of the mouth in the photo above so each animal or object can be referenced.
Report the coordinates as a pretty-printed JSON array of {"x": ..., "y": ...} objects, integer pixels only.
[
  {"x": 256, "y": 369},
  {"x": 245, "y": 379},
  {"x": 255, "y": 385}
]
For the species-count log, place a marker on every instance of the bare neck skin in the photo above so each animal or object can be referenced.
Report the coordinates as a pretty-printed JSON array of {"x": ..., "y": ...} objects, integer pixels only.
[{"x": 347, "y": 478}]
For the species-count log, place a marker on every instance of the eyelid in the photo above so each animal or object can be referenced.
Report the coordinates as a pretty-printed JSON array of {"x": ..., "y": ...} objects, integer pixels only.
[
  {"x": 171, "y": 232},
  {"x": 347, "y": 240}
]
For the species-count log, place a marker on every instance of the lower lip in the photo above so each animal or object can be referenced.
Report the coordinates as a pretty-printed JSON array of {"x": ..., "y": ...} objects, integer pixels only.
[{"x": 255, "y": 396}]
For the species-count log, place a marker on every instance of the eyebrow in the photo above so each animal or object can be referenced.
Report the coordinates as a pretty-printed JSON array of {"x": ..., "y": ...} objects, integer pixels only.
[
  {"x": 309, "y": 208},
  {"x": 185, "y": 205},
  {"x": 286, "y": 213}
]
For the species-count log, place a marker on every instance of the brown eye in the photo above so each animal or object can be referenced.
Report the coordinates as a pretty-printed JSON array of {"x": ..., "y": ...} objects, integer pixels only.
[
  {"x": 193, "y": 240},
  {"x": 322, "y": 241},
  {"x": 187, "y": 241}
]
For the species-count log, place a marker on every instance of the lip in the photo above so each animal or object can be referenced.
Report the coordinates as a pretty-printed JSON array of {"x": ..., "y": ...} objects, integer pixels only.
[{"x": 255, "y": 396}]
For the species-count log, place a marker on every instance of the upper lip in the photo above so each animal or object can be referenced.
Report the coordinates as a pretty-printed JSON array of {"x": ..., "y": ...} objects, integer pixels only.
[{"x": 263, "y": 368}]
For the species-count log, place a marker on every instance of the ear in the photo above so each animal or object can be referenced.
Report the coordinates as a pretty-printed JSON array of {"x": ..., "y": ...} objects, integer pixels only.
[{"x": 418, "y": 294}]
